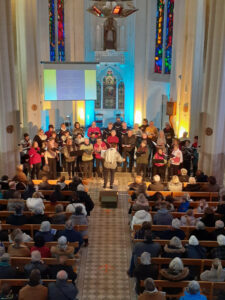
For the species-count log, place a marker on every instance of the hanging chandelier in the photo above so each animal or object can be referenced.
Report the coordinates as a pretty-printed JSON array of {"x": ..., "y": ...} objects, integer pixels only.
[{"x": 112, "y": 9}]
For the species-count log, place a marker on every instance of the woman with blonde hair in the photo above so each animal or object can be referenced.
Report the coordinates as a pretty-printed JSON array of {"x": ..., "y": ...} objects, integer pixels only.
[
  {"x": 192, "y": 186},
  {"x": 161, "y": 141},
  {"x": 215, "y": 274},
  {"x": 174, "y": 184},
  {"x": 35, "y": 201}
]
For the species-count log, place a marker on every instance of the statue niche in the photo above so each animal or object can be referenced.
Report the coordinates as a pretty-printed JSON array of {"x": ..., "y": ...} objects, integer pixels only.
[{"x": 110, "y": 34}]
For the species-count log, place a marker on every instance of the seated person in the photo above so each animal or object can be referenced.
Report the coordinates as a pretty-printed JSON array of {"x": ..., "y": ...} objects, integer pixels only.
[
  {"x": 185, "y": 203},
  {"x": 17, "y": 248},
  {"x": 188, "y": 219},
  {"x": 212, "y": 186},
  {"x": 140, "y": 234},
  {"x": 219, "y": 252},
  {"x": 71, "y": 234},
  {"x": 4, "y": 182},
  {"x": 163, "y": 216},
  {"x": 215, "y": 274},
  {"x": 34, "y": 289},
  {"x": 141, "y": 203},
  {"x": 46, "y": 232},
  {"x": 200, "y": 176},
  {"x": 174, "y": 185},
  {"x": 174, "y": 231},
  {"x": 35, "y": 201},
  {"x": 17, "y": 218},
  {"x": 156, "y": 185},
  {"x": 62, "y": 184},
  {"x": 194, "y": 250},
  {"x": 6, "y": 270},
  {"x": 61, "y": 265},
  {"x": 55, "y": 196},
  {"x": 183, "y": 175},
  {"x": 36, "y": 263},
  {"x": 151, "y": 292},
  {"x": 38, "y": 216},
  {"x": 11, "y": 205},
  {"x": 78, "y": 218},
  {"x": 219, "y": 225},
  {"x": 25, "y": 237},
  {"x": 59, "y": 217},
  {"x": 45, "y": 172},
  {"x": 200, "y": 232},
  {"x": 85, "y": 198},
  {"x": 74, "y": 202},
  {"x": 44, "y": 185},
  {"x": 174, "y": 248},
  {"x": 175, "y": 272},
  {"x": 193, "y": 292},
  {"x": 139, "y": 217},
  {"x": 192, "y": 186},
  {"x": 138, "y": 187},
  {"x": 9, "y": 193},
  {"x": 144, "y": 270},
  {"x": 7, "y": 292},
  {"x": 20, "y": 176},
  {"x": 74, "y": 184},
  {"x": 209, "y": 218},
  {"x": 30, "y": 189},
  {"x": 202, "y": 206},
  {"x": 39, "y": 245},
  {"x": 62, "y": 248},
  {"x": 145, "y": 246}
]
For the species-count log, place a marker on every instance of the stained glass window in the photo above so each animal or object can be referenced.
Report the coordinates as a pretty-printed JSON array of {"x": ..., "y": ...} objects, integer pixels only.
[
  {"x": 56, "y": 30},
  {"x": 98, "y": 100},
  {"x": 61, "y": 47},
  {"x": 159, "y": 36},
  {"x": 121, "y": 94},
  {"x": 109, "y": 90},
  {"x": 169, "y": 36},
  {"x": 164, "y": 36},
  {"x": 51, "y": 11}
]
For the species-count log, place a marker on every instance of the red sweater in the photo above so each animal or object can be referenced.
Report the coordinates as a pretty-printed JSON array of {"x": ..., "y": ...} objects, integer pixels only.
[
  {"x": 96, "y": 149},
  {"x": 113, "y": 140},
  {"x": 95, "y": 130},
  {"x": 45, "y": 252},
  {"x": 35, "y": 157}
]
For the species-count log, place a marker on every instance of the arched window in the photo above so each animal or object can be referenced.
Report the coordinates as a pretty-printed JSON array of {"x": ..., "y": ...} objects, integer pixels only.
[
  {"x": 109, "y": 90},
  {"x": 56, "y": 25},
  {"x": 164, "y": 36},
  {"x": 121, "y": 95}
]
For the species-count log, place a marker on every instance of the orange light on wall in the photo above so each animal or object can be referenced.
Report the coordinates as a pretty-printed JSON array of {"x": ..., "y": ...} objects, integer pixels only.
[
  {"x": 117, "y": 9},
  {"x": 138, "y": 117}
]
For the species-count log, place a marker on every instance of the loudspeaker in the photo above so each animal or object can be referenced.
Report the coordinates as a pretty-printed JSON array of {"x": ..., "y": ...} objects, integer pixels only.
[
  {"x": 108, "y": 199},
  {"x": 171, "y": 108}
]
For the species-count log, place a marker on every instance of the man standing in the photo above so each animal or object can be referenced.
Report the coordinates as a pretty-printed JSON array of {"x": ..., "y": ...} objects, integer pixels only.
[
  {"x": 87, "y": 158},
  {"x": 128, "y": 145},
  {"x": 111, "y": 157},
  {"x": 107, "y": 132},
  {"x": 152, "y": 131},
  {"x": 98, "y": 147},
  {"x": 94, "y": 129}
]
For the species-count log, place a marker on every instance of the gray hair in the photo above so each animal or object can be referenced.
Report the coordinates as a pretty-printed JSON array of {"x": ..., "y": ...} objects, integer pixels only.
[
  {"x": 149, "y": 284},
  {"x": 200, "y": 225},
  {"x": 176, "y": 223},
  {"x": 145, "y": 258},
  {"x": 38, "y": 211},
  {"x": 5, "y": 257},
  {"x": 219, "y": 224},
  {"x": 62, "y": 275},
  {"x": 59, "y": 208},
  {"x": 175, "y": 242},
  {"x": 193, "y": 287},
  {"x": 69, "y": 225},
  {"x": 176, "y": 264},
  {"x": 45, "y": 226},
  {"x": 80, "y": 188},
  {"x": 62, "y": 242},
  {"x": 35, "y": 256},
  {"x": 18, "y": 239}
]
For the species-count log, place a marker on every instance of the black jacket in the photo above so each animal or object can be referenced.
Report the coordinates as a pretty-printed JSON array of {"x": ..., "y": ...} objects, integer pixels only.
[
  {"x": 7, "y": 271},
  {"x": 37, "y": 219},
  {"x": 141, "y": 272},
  {"x": 195, "y": 252},
  {"x": 201, "y": 235},
  {"x": 36, "y": 265},
  {"x": 62, "y": 290},
  {"x": 16, "y": 220},
  {"x": 86, "y": 200},
  {"x": 54, "y": 269},
  {"x": 8, "y": 194},
  {"x": 126, "y": 140}
]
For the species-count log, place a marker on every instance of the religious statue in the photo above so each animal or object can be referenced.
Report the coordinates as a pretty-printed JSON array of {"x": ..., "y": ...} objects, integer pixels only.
[{"x": 109, "y": 35}]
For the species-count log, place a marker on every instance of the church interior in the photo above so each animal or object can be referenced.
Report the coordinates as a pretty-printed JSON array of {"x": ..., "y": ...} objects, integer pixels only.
[{"x": 112, "y": 149}]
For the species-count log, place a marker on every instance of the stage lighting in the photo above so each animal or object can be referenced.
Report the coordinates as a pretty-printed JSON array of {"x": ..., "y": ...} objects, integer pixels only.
[
  {"x": 97, "y": 10},
  {"x": 117, "y": 10}
]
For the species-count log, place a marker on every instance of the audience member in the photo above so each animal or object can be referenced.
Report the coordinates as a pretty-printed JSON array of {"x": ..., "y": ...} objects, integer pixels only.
[
  {"x": 4, "y": 183},
  {"x": 188, "y": 219},
  {"x": 174, "y": 231},
  {"x": 73, "y": 205},
  {"x": 29, "y": 191},
  {"x": 151, "y": 292},
  {"x": 163, "y": 216},
  {"x": 63, "y": 186},
  {"x": 3, "y": 234},
  {"x": 194, "y": 250},
  {"x": 141, "y": 203},
  {"x": 75, "y": 182},
  {"x": 36, "y": 263},
  {"x": 7, "y": 293},
  {"x": 85, "y": 198},
  {"x": 44, "y": 185},
  {"x": 34, "y": 289},
  {"x": 219, "y": 252},
  {"x": 219, "y": 229},
  {"x": 61, "y": 289},
  {"x": 200, "y": 176},
  {"x": 20, "y": 175},
  {"x": 17, "y": 218},
  {"x": 6, "y": 270},
  {"x": 61, "y": 265},
  {"x": 209, "y": 218},
  {"x": 38, "y": 216},
  {"x": 46, "y": 232},
  {"x": 139, "y": 217},
  {"x": 35, "y": 201},
  {"x": 185, "y": 203},
  {"x": 202, "y": 206},
  {"x": 193, "y": 292},
  {"x": 25, "y": 237},
  {"x": 39, "y": 245},
  {"x": 192, "y": 186},
  {"x": 174, "y": 248},
  {"x": 9, "y": 194},
  {"x": 175, "y": 185},
  {"x": 215, "y": 274},
  {"x": 156, "y": 185},
  {"x": 17, "y": 248},
  {"x": 140, "y": 234},
  {"x": 212, "y": 185},
  {"x": 137, "y": 187},
  {"x": 183, "y": 175},
  {"x": 59, "y": 217},
  {"x": 144, "y": 270},
  {"x": 200, "y": 232},
  {"x": 62, "y": 248},
  {"x": 78, "y": 218}
]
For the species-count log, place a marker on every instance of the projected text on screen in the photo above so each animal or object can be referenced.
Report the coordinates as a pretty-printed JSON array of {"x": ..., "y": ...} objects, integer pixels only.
[{"x": 69, "y": 84}]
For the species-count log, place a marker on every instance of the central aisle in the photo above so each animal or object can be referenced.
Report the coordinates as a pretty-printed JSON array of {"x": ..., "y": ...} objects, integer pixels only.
[{"x": 104, "y": 262}]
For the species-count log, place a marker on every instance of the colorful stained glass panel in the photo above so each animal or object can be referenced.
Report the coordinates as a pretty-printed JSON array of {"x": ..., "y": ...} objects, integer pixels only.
[
  {"x": 61, "y": 38},
  {"x": 51, "y": 11},
  {"x": 159, "y": 36},
  {"x": 121, "y": 95},
  {"x": 169, "y": 36}
]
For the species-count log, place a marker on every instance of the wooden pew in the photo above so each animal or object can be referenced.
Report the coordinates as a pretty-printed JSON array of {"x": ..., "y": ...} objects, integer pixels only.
[
  {"x": 23, "y": 282},
  {"x": 54, "y": 182},
  {"x": 21, "y": 261},
  {"x": 193, "y": 204},
  {"x": 5, "y": 202},
  {"x": 207, "y": 244},
  {"x": 47, "y": 244},
  {"x": 5, "y": 213},
  {"x": 175, "y": 214}
]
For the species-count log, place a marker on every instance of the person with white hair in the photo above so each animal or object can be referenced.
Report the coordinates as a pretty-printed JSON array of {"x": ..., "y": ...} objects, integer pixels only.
[
  {"x": 174, "y": 184},
  {"x": 151, "y": 292},
  {"x": 62, "y": 248},
  {"x": 46, "y": 231},
  {"x": 192, "y": 186},
  {"x": 36, "y": 263},
  {"x": 144, "y": 270},
  {"x": 219, "y": 252},
  {"x": 215, "y": 274},
  {"x": 219, "y": 225},
  {"x": 200, "y": 232},
  {"x": 193, "y": 292},
  {"x": 174, "y": 248},
  {"x": 61, "y": 289},
  {"x": 175, "y": 272},
  {"x": 141, "y": 203},
  {"x": 156, "y": 185},
  {"x": 194, "y": 250},
  {"x": 139, "y": 217},
  {"x": 183, "y": 175}
]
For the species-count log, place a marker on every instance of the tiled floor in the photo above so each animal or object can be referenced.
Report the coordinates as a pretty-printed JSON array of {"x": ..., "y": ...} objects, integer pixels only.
[{"x": 103, "y": 266}]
